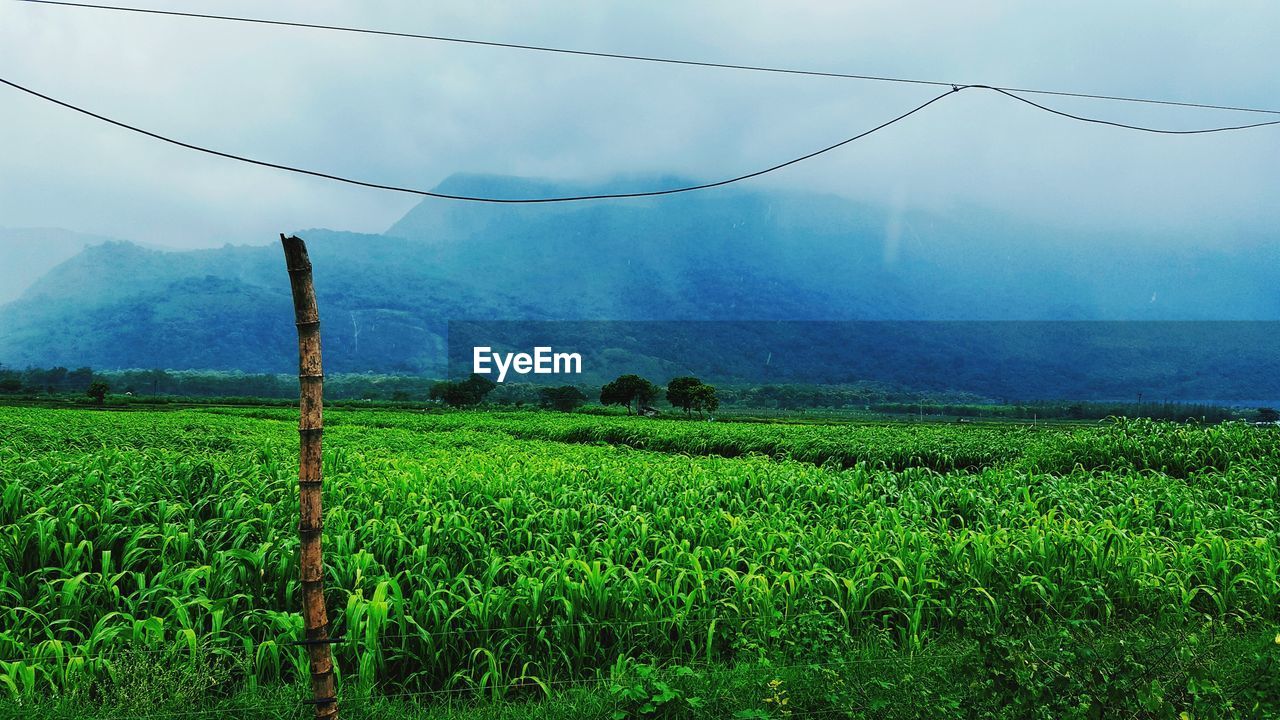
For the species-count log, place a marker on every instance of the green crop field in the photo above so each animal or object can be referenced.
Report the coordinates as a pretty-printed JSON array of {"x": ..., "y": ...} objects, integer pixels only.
[{"x": 532, "y": 564}]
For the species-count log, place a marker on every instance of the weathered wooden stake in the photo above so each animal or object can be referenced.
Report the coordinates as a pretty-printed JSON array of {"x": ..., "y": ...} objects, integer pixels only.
[{"x": 310, "y": 428}]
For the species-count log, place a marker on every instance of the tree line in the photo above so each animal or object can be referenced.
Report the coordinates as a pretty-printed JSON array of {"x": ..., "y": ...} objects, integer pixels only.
[{"x": 632, "y": 392}]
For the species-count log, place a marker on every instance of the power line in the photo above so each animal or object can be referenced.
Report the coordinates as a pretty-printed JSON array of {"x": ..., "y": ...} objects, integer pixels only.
[
  {"x": 1111, "y": 123},
  {"x": 448, "y": 196},
  {"x": 600, "y": 196},
  {"x": 640, "y": 58},
  {"x": 1007, "y": 93}
]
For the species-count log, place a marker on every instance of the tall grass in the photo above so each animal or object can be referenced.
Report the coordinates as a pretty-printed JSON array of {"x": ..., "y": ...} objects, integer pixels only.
[{"x": 468, "y": 552}]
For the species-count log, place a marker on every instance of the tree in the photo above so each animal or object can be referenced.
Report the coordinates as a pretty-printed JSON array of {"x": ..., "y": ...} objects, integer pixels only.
[
  {"x": 704, "y": 398},
  {"x": 628, "y": 389},
  {"x": 10, "y": 381},
  {"x": 564, "y": 398},
  {"x": 680, "y": 392},
  {"x": 516, "y": 394},
  {"x": 156, "y": 377},
  {"x": 49, "y": 381},
  {"x": 480, "y": 386},
  {"x": 612, "y": 394},
  {"x": 445, "y": 391},
  {"x": 690, "y": 393},
  {"x": 98, "y": 391},
  {"x": 80, "y": 379},
  {"x": 463, "y": 394},
  {"x": 1268, "y": 415}
]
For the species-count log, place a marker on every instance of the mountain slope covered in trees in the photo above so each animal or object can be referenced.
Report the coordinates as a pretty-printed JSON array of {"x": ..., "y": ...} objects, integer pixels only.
[{"x": 386, "y": 300}]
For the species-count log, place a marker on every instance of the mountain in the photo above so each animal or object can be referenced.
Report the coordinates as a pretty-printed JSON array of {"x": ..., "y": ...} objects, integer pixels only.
[
  {"x": 28, "y": 253},
  {"x": 822, "y": 257},
  {"x": 118, "y": 305},
  {"x": 720, "y": 255}
]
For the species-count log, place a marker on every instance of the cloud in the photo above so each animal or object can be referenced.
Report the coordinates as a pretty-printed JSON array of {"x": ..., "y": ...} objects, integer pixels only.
[{"x": 410, "y": 112}]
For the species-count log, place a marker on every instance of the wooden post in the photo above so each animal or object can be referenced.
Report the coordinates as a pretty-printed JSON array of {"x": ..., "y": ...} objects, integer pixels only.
[{"x": 310, "y": 428}]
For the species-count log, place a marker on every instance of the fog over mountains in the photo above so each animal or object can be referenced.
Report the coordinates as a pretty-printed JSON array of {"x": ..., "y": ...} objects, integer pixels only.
[
  {"x": 728, "y": 254},
  {"x": 26, "y": 254}
]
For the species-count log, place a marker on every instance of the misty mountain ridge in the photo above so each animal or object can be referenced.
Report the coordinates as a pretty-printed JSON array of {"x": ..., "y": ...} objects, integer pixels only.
[
  {"x": 723, "y": 254},
  {"x": 26, "y": 254}
]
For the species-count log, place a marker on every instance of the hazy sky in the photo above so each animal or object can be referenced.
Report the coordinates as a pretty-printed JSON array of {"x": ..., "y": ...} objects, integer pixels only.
[{"x": 413, "y": 112}]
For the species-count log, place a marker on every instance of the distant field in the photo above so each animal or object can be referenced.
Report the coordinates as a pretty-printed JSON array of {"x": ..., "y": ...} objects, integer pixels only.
[{"x": 544, "y": 564}]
